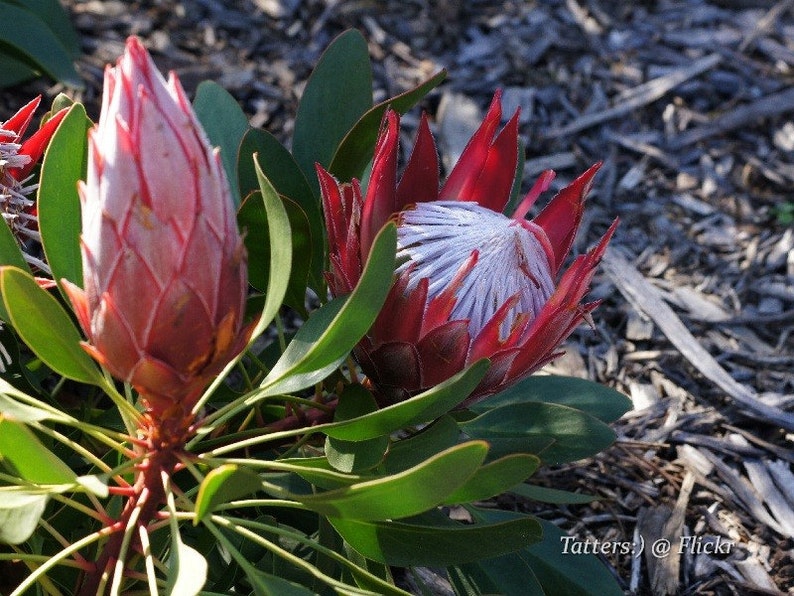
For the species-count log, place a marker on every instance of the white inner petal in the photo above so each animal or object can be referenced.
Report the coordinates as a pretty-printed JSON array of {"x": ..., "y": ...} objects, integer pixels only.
[{"x": 437, "y": 238}]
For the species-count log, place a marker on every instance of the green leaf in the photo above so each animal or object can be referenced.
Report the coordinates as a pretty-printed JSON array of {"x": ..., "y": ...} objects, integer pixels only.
[
  {"x": 29, "y": 457},
  {"x": 252, "y": 220},
  {"x": 600, "y": 401},
  {"x": 45, "y": 327},
  {"x": 54, "y": 15},
  {"x": 19, "y": 515},
  {"x": 65, "y": 162},
  {"x": 337, "y": 94},
  {"x": 421, "y": 408},
  {"x": 405, "y": 494},
  {"x": 265, "y": 584},
  {"x": 21, "y": 411},
  {"x": 287, "y": 178},
  {"x": 332, "y": 331},
  {"x": 355, "y": 456},
  {"x": 10, "y": 254},
  {"x": 223, "y": 484},
  {"x": 280, "y": 249},
  {"x": 436, "y": 545},
  {"x": 495, "y": 478},
  {"x": 432, "y": 439},
  {"x": 556, "y": 571},
  {"x": 552, "y": 495},
  {"x": 27, "y": 38},
  {"x": 355, "y": 150},
  {"x": 14, "y": 71},
  {"x": 557, "y": 434},
  {"x": 225, "y": 124},
  {"x": 187, "y": 568}
]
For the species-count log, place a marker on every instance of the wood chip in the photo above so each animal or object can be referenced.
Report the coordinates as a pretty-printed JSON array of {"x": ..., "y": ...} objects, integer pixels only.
[{"x": 646, "y": 298}]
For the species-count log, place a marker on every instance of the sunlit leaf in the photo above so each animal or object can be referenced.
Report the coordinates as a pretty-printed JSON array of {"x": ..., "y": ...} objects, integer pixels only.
[
  {"x": 421, "y": 408},
  {"x": 29, "y": 457},
  {"x": 45, "y": 327},
  {"x": 408, "y": 493},
  {"x": 223, "y": 484},
  {"x": 495, "y": 478},
  {"x": 598, "y": 400},
  {"x": 187, "y": 569},
  {"x": 19, "y": 515},
  {"x": 331, "y": 333},
  {"x": 355, "y": 456},
  {"x": 58, "y": 202}
]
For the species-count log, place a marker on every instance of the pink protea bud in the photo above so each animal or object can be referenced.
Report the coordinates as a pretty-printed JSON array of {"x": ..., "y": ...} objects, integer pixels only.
[
  {"x": 164, "y": 267},
  {"x": 472, "y": 283}
]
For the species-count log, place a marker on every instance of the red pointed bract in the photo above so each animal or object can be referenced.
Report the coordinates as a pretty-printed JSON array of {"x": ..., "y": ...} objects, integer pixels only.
[{"x": 424, "y": 333}]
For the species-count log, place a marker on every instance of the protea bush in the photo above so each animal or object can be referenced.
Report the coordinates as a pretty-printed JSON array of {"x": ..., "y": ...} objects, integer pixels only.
[{"x": 163, "y": 430}]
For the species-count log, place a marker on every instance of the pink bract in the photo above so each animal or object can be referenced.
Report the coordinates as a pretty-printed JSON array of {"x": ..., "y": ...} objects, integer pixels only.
[{"x": 164, "y": 267}]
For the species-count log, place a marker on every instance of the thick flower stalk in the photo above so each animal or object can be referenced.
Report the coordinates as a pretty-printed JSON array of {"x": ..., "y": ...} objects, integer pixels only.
[
  {"x": 471, "y": 283},
  {"x": 17, "y": 160},
  {"x": 164, "y": 267}
]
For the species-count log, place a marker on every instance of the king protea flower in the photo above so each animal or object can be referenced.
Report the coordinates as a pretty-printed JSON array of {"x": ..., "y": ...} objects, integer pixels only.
[
  {"x": 164, "y": 267},
  {"x": 472, "y": 283},
  {"x": 17, "y": 160}
]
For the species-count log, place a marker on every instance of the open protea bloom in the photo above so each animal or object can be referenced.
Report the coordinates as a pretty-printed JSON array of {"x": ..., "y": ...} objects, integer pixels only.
[
  {"x": 164, "y": 267},
  {"x": 472, "y": 282},
  {"x": 17, "y": 160}
]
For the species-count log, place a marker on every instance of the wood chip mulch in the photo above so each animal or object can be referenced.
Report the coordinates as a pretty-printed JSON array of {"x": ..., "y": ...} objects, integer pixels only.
[{"x": 690, "y": 106}]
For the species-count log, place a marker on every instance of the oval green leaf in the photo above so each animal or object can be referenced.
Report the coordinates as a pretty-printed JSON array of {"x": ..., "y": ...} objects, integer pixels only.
[
  {"x": 341, "y": 84},
  {"x": 29, "y": 457},
  {"x": 223, "y": 484},
  {"x": 405, "y": 494},
  {"x": 421, "y": 408},
  {"x": 355, "y": 151},
  {"x": 557, "y": 434},
  {"x": 409, "y": 545},
  {"x": 494, "y": 478},
  {"x": 44, "y": 326},
  {"x": 225, "y": 124},
  {"x": 332, "y": 332},
  {"x": 19, "y": 515},
  {"x": 58, "y": 202},
  {"x": 600, "y": 401}
]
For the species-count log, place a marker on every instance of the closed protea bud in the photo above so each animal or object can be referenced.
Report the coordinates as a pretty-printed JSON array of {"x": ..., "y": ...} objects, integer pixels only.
[
  {"x": 472, "y": 283},
  {"x": 164, "y": 267}
]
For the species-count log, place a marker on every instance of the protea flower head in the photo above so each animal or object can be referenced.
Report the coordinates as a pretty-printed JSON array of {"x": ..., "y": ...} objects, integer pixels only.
[
  {"x": 17, "y": 160},
  {"x": 472, "y": 282},
  {"x": 164, "y": 267}
]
